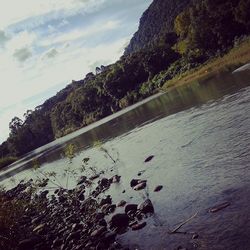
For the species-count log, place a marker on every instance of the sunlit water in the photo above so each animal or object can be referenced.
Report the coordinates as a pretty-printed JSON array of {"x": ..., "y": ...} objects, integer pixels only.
[{"x": 200, "y": 137}]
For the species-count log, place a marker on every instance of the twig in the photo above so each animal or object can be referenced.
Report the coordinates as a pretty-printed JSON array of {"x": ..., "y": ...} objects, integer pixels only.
[{"x": 182, "y": 224}]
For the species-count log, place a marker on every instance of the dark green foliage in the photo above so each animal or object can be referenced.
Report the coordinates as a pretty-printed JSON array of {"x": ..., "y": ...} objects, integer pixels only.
[
  {"x": 208, "y": 27},
  {"x": 156, "y": 22}
]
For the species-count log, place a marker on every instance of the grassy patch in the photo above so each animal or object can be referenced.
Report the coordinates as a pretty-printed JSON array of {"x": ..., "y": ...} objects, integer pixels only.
[
  {"x": 5, "y": 161},
  {"x": 236, "y": 57}
]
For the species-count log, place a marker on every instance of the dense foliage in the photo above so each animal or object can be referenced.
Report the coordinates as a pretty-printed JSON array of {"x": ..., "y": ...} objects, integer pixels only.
[{"x": 174, "y": 36}]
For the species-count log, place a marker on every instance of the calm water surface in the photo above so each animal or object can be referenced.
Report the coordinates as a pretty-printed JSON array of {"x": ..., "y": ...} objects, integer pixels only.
[{"x": 200, "y": 136}]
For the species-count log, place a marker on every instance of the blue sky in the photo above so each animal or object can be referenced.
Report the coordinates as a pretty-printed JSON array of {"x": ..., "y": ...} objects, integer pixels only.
[{"x": 45, "y": 44}]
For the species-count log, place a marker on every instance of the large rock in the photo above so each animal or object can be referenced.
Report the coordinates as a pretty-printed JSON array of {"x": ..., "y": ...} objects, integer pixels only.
[
  {"x": 146, "y": 206},
  {"x": 119, "y": 221},
  {"x": 130, "y": 207}
]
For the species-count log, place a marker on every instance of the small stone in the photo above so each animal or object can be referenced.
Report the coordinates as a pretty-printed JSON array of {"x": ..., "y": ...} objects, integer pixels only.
[
  {"x": 140, "y": 186},
  {"x": 94, "y": 177},
  {"x": 195, "y": 236},
  {"x": 107, "y": 200},
  {"x": 149, "y": 158},
  {"x": 116, "y": 179},
  {"x": 98, "y": 232},
  {"x": 158, "y": 188},
  {"x": 39, "y": 228},
  {"x": 122, "y": 203}
]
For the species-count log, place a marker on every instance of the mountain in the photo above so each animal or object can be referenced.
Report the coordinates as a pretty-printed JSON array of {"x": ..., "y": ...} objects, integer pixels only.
[{"x": 156, "y": 22}]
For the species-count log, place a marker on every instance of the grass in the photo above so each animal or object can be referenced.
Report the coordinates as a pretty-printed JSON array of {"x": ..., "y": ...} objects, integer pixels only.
[
  {"x": 236, "y": 57},
  {"x": 5, "y": 161}
]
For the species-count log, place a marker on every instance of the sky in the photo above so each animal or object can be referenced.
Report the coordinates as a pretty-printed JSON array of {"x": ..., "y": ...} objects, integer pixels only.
[{"x": 45, "y": 44}]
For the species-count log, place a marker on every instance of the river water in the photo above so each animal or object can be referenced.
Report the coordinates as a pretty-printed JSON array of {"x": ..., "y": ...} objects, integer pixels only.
[{"x": 199, "y": 135}]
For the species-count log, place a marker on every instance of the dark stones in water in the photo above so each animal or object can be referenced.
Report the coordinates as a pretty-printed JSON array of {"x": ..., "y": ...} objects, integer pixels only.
[
  {"x": 119, "y": 221},
  {"x": 135, "y": 182},
  {"x": 219, "y": 207},
  {"x": 146, "y": 207},
  {"x": 140, "y": 186},
  {"x": 130, "y": 207},
  {"x": 106, "y": 200},
  {"x": 122, "y": 203},
  {"x": 94, "y": 177},
  {"x": 115, "y": 179},
  {"x": 195, "y": 236},
  {"x": 158, "y": 188},
  {"x": 149, "y": 158}
]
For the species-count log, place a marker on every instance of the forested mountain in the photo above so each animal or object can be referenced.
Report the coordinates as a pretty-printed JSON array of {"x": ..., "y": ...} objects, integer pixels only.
[
  {"x": 156, "y": 24},
  {"x": 173, "y": 36}
]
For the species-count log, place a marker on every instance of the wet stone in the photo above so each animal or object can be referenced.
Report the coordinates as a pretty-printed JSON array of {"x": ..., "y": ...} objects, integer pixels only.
[
  {"x": 119, "y": 220},
  {"x": 158, "y": 188},
  {"x": 148, "y": 159},
  {"x": 146, "y": 206}
]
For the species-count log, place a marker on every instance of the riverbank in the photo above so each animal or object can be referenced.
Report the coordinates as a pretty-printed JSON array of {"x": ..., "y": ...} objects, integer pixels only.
[
  {"x": 34, "y": 216},
  {"x": 5, "y": 161},
  {"x": 234, "y": 59}
]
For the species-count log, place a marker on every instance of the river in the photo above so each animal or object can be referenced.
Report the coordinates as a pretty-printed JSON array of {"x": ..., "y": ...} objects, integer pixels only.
[{"x": 199, "y": 135}]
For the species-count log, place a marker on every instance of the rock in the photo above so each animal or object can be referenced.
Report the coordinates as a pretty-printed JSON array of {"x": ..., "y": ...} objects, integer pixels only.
[
  {"x": 81, "y": 196},
  {"x": 94, "y": 177},
  {"x": 146, "y": 207},
  {"x": 130, "y": 207},
  {"x": 28, "y": 243},
  {"x": 124, "y": 191},
  {"x": 104, "y": 182},
  {"x": 105, "y": 208},
  {"x": 158, "y": 188},
  {"x": 57, "y": 242},
  {"x": 107, "y": 200},
  {"x": 135, "y": 182},
  {"x": 98, "y": 231},
  {"x": 119, "y": 221},
  {"x": 82, "y": 180},
  {"x": 219, "y": 207},
  {"x": 39, "y": 228},
  {"x": 112, "y": 208},
  {"x": 102, "y": 222},
  {"x": 149, "y": 158},
  {"x": 115, "y": 179},
  {"x": 195, "y": 236},
  {"x": 138, "y": 226},
  {"x": 109, "y": 238},
  {"x": 122, "y": 203},
  {"x": 140, "y": 186}
]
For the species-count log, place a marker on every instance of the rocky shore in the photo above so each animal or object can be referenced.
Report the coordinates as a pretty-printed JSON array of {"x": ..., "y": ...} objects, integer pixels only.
[{"x": 34, "y": 217}]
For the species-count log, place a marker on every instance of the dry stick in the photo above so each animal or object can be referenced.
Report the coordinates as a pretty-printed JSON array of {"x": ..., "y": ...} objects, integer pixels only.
[{"x": 182, "y": 224}]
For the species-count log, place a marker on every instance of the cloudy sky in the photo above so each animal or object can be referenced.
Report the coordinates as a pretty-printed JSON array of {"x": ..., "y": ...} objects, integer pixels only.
[{"x": 45, "y": 44}]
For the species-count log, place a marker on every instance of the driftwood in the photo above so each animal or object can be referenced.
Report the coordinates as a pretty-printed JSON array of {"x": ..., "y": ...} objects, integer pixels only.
[{"x": 182, "y": 224}]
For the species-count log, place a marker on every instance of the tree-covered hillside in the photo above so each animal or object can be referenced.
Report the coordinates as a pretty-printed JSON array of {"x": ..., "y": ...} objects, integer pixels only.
[
  {"x": 173, "y": 37},
  {"x": 156, "y": 24}
]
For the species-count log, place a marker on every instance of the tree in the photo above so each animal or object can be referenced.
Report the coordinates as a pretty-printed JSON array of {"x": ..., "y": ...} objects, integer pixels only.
[{"x": 15, "y": 124}]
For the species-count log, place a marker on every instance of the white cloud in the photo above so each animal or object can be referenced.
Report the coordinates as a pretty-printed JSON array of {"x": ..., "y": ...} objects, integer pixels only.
[
  {"x": 21, "y": 40},
  {"x": 13, "y": 11},
  {"x": 79, "y": 34}
]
